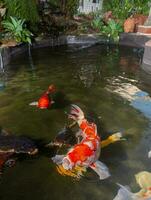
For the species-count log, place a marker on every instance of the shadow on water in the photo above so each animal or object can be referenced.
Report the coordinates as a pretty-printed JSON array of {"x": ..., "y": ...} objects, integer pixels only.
[{"x": 60, "y": 100}]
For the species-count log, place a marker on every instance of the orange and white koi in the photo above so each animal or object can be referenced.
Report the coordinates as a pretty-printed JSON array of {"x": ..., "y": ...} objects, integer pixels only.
[
  {"x": 45, "y": 101},
  {"x": 87, "y": 152}
]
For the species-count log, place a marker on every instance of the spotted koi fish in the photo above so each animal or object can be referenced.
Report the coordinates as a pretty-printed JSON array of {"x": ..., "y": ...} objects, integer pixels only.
[{"x": 86, "y": 153}]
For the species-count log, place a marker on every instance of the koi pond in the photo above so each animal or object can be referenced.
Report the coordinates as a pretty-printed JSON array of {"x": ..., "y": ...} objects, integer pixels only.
[{"x": 109, "y": 86}]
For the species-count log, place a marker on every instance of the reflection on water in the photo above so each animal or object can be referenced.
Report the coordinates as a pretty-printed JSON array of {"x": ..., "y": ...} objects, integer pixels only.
[
  {"x": 138, "y": 99},
  {"x": 1, "y": 62},
  {"x": 85, "y": 77},
  {"x": 87, "y": 74}
]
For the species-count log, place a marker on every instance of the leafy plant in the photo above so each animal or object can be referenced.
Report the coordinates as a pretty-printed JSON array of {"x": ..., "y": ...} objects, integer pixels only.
[
  {"x": 17, "y": 30},
  {"x": 71, "y": 7},
  {"x": 148, "y": 21},
  {"x": 141, "y": 7},
  {"x": 112, "y": 30},
  {"x": 68, "y": 7},
  {"x": 122, "y": 9},
  {"x": 97, "y": 23},
  {"x": 22, "y": 9}
]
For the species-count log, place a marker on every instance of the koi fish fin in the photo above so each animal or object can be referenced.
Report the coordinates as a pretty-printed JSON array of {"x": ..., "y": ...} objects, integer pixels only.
[
  {"x": 149, "y": 154},
  {"x": 112, "y": 139},
  {"x": 124, "y": 193},
  {"x": 65, "y": 172},
  {"x": 80, "y": 169},
  {"x": 35, "y": 103},
  {"x": 143, "y": 179},
  {"x": 101, "y": 169},
  {"x": 76, "y": 172},
  {"x": 58, "y": 159},
  {"x": 76, "y": 113}
]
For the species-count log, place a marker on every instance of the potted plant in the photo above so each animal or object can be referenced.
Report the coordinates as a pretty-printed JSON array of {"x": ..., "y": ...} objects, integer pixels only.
[{"x": 146, "y": 28}]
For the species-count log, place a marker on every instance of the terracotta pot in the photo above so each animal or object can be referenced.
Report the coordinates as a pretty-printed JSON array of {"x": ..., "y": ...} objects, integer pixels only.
[
  {"x": 129, "y": 25},
  {"x": 139, "y": 20},
  {"x": 144, "y": 29}
]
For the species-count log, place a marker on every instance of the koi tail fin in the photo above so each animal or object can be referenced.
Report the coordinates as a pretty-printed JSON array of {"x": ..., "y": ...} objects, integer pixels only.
[
  {"x": 149, "y": 154},
  {"x": 101, "y": 169},
  {"x": 76, "y": 172},
  {"x": 143, "y": 179},
  {"x": 112, "y": 139},
  {"x": 35, "y": 103},
  {"x": 58, "y": 159},
  {"x": 76, "y": 113},
  {"x": 124, "y": 194}
]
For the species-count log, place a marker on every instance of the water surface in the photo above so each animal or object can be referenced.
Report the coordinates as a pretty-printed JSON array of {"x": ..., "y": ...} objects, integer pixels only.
[{"x": 85, "y": 77}]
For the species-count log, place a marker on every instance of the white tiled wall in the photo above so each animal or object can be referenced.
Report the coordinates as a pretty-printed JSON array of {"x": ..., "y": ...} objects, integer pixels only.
[{"x": 87, "y": 6}]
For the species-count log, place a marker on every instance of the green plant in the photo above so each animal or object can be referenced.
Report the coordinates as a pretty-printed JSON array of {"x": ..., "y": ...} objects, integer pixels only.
[
  {"x": 122, "y": 9},
  {"x": 141, "y": 7},
  {"x": 97, "y": 23},
  {"x": 17, "y": 30},
  {"x": 54, "y": 4},
  {"x": 68, "y": 7},
  {"x": 148, "y": 21},
  {"x": 112, "y": 30},
  {"x": 22, "y": 9},
  {"x": 71, "y": 7}
]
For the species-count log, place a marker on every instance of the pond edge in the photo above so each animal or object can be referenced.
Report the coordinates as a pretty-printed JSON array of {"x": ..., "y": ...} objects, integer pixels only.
[{"x": 126, "y": 39}]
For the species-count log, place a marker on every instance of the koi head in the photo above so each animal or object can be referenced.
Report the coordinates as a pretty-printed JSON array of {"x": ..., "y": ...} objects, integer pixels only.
[
  {"x": 76, "y": 113},
  {"x": 51, "y": 89}
]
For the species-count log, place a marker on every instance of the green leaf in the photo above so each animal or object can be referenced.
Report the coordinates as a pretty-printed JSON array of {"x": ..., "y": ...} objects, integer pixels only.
[{"x": 16, "y": 28}]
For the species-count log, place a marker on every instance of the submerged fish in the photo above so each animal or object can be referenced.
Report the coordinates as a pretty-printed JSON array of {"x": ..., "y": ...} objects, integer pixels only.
[
  {"x": 10, "y": 145},
  {"x": 45, "y": 100},
  {"x": 64, "y": 137},
  {"x": 78, "y": 171},
  {"x": 14, "y": 144},
  {"x": 86, "y": 153}
]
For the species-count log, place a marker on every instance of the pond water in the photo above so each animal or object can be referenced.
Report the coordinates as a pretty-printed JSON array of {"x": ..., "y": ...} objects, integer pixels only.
[{"x": 89, "y": 78}]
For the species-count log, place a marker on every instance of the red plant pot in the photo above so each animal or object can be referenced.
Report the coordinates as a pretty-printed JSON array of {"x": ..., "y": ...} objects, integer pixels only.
[{"x": 144, "y": 29}]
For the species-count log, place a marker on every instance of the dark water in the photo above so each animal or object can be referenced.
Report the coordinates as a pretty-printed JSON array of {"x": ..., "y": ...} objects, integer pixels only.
[{"x": 83, "y": 76}]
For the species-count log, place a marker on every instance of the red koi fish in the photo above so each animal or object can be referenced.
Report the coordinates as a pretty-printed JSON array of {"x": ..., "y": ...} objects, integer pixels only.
[
  {"x": 87, "y": 152},
  {"x": 45, "y": 100}
]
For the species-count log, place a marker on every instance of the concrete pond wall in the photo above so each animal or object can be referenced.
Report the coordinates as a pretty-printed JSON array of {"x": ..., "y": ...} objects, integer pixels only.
[
  {"x": 146, "y": 63},
  {"x": 7, "y": 53},
  {"x": 130, "y": 39}
]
